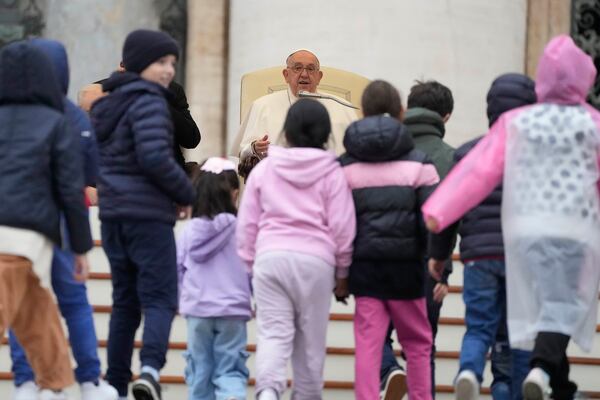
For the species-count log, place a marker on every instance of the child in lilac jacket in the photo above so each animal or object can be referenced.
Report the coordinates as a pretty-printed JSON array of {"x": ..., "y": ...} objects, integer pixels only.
[
  {"x": 548, "y": 157},
  {"x": 214, "y": 289},
  {"x": 296, "y": 227}
]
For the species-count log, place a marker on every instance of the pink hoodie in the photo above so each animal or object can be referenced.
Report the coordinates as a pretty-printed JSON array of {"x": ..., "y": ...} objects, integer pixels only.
[
  {"x": 565, "y": 75},
  {"x": 297, "y": 199}
]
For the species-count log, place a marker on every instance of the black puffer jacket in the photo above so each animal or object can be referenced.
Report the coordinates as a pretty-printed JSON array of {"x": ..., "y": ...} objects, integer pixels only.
[
  {"x": 139, "y": 178},
  {"x": 390, "y": 181},
  {"x": 481, "y": 228},
  {"x": 41, "y": 171}
]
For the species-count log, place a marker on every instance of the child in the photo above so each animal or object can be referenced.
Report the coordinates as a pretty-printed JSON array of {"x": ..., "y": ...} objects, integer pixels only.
[
  {"x": 482, "y": 252},
  {"x": 296, "y": 227},
  {"x": 548, "y": 154},
  {"x": 41, "y": 177},
  {"x": 390, "y": 181},
  {"x": 430, "y": 105},
  {"x": 139, "y": 186},
  {"x": 214, "y": 288},
  {"x": 71, "y": 294}
]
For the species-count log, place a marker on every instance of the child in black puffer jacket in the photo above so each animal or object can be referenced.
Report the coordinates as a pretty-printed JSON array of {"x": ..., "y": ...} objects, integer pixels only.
[{"x": 390, "y": 180}]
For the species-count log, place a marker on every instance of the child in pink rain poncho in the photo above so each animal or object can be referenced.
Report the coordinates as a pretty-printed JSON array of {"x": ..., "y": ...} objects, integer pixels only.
[{"x": 547, "y": 155}]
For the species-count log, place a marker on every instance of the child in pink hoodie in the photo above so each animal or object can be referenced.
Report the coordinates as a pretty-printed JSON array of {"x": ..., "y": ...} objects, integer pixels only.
[
  {"x": 548, "y": 155},
  {"x": 296, "y": 225}
]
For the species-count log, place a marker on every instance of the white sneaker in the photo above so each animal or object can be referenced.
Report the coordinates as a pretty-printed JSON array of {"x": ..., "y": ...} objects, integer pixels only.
[
  {"x": 267, "y": 394},
  {"x": 466, "y": 386},
  {"x": 100, "y": 391},
  {"x": 537, "y": 385},
  {"x": 47, "y": 394},
  {"x": 27, "y": 391}
]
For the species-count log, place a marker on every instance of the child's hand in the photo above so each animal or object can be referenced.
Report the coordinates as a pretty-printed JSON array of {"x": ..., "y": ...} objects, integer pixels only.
[
  {"x": 432, "y": 224},
  {"x": 341, "y": 291},
  {"x": 82, "y": 268},
  {"x": 439, "y": 292},
  {"x": 436, "y": 267}
]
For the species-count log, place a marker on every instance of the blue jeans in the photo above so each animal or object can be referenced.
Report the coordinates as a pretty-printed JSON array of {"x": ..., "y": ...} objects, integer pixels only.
[
  {"x": 388, "y": 360},
  {"x": 216, "y": 358},
  {"x": 144, "y": 279},
  {"x": 76, "y": 310},
  {"x": 484, "y": 294}
]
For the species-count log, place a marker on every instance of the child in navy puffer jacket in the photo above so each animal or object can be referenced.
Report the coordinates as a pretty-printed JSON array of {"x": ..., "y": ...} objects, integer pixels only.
[
  {"x": 484, "y": 288},
  {"x": 139, "y": 187}
]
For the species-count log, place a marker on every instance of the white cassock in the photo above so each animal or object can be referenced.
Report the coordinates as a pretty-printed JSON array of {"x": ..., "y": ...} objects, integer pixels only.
[{"x": 267, "y": 115}]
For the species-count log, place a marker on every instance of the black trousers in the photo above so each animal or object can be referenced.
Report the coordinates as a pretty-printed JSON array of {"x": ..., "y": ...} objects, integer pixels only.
[{"x": 550, "y": 354}]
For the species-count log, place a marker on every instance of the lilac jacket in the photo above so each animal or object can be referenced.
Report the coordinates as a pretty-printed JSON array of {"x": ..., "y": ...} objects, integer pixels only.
[
  {"x": 297, "y": 199},
  {"x": 213, "y": 281}
]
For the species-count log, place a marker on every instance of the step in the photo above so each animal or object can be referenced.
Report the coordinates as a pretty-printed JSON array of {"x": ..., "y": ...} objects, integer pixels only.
[
  {"x": 100, "y": 292},
  {"x": 339, "y": 364}
]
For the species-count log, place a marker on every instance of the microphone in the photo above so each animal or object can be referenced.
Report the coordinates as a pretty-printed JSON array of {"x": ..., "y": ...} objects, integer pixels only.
[{"x": 304, "y": 93}]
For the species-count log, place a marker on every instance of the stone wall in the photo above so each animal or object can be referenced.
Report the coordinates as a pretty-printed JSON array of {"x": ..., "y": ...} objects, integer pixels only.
[{"x": 93, "y": 33}]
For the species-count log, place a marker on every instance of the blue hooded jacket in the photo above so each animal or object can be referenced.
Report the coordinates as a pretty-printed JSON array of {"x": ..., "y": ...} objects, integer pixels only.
[
  {"x": 40, "y": 162},
  {"x": 55, "y": 51}
]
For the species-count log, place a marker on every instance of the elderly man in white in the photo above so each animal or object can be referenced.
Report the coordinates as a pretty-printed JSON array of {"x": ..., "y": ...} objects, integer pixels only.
[{"x": 265, "y": 119}]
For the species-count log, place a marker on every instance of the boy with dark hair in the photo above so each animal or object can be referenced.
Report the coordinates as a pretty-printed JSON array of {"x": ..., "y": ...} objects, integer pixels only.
[
  {"x": 139, "y": 186},
  {"x": 433, "y": 96}
]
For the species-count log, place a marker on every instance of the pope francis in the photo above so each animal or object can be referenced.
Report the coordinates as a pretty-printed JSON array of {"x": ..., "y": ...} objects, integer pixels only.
[{"x": 264, "y": 121}]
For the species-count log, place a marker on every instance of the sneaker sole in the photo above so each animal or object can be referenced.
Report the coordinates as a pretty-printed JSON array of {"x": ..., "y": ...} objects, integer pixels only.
[
  {"x": 143, "y": 391},
  {"x": 465, "y": 390},
  {"x": 396, "y": 388},
  {"x": 532, "y": 391}
]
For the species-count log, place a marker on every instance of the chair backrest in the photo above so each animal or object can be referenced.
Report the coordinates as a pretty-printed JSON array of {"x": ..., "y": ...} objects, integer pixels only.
[{"x": 344, "y": 84}]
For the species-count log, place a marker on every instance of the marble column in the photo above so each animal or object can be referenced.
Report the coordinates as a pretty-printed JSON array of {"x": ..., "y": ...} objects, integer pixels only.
[
  {"x": 545, "y": 19},
  {"x": 206, "y": 74}
]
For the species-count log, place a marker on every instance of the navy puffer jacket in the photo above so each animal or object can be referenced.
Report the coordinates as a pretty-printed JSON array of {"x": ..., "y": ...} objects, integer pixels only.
[
  {"x": 40, "y": 163},
  {"x": 139, "y": 178},
  {"x": 481, "y": 228}
]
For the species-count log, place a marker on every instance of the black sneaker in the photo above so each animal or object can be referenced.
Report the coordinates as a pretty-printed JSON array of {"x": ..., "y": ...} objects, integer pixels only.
[
  {"x": 394, "y": 385},
  {"x": 146, "y": 388}
]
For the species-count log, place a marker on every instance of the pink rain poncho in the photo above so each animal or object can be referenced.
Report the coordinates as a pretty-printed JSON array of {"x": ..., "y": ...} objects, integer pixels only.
[{"x": 547, "y": 155}]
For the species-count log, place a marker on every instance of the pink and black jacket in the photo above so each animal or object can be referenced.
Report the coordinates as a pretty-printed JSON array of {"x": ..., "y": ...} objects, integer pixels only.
[{"x": 390, "y": 181}]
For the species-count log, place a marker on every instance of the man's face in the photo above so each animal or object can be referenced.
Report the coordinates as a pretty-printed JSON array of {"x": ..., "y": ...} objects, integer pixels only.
[{"x": 302, "y": 72}]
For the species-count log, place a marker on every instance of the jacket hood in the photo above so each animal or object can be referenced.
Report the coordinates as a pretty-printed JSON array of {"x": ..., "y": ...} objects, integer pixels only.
[
  {"x": 421, "y": 121},
  {"x": 124, "y": 88},
  {"x": 57, "y": 54},
  {"x": 377, "y": 138},
  {"x": 27, "y": 77},
  {"x": 207, "y": 236},
  {"x": 301, "y": 166},
  {"x": 565, "y": 74},
  {"x": 509, "y": 91}
]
